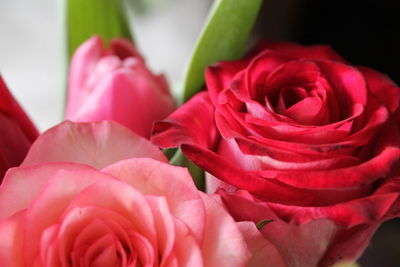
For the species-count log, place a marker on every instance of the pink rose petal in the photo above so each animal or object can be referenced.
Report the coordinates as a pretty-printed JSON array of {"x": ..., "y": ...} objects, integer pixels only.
[{"x": 96, "y": 144}]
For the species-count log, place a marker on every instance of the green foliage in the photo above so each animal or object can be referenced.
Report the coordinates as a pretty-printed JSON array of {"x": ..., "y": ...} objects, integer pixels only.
[
  {"x": 86, "y": 18},
  {"x": 346, "y": 264},
  {"x": 197, "y": 173},
  {"x": 223, "y": 37},
  {"x": 263, "y": 223}
]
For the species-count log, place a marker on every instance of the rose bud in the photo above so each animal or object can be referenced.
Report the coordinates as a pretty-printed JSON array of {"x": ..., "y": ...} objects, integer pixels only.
[
  {"x": 115, "y": 84},
  {"x": 297, "y": 136},
  {"x": 17, "y": 132}
]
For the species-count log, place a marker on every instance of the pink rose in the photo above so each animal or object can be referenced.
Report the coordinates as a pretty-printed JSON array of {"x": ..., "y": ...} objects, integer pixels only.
[
  {"x": 115, "y": 84},
  {"x": 16, "y": 132},
  {"x": 126, "y": 211}
]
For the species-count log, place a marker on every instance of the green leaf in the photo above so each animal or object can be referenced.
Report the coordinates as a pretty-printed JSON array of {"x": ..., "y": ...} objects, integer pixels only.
[
  {"x": 197, "y": 173},
  {"x": 346, "y": 264},
  {"x": 224, "y": 37},
  {"x": 86, "y": 18},
  {"x": 261, "y": 224},
  {"x": 141, "y": 6},
  {"x": 170, "y": 152}
]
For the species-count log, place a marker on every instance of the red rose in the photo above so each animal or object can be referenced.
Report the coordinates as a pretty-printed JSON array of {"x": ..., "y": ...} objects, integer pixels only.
[
  {"x": 17, "y": 132},
  {"x": 297, "y": 135}
]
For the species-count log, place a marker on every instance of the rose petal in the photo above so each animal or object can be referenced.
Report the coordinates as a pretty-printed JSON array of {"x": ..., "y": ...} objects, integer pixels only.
[
  {"x": 10, "y": 106},
  {"x": 223, "y": 244},
  {"x": 355, "y": 240},
  {"x": 306, "y": 110},
  {"x": 348, "y": 83},
  {"x": 187, "y": 250},
  {"x": 381, "y": 164},
  {"x": 299, "y": 245},
  {"x": 263, "y": 252},
  {"x": 181, "y": 127},
  {"x": 292, "y": 73},
  {"x": 315, "y": 242},
  {"x": 87, "y": 219},
  {"x": 99, "y": 252},
  {"x": 297, "y": 154},
  {"x": 120, "y": 198},
  {"x": 248, "y": 158},
  {"x": 83, "y": 61},
  {"x": 124, "y": 49},
  {"x": 35, "y": 177},
  {"x": 54, "y": 198},
  {"x": 382, "y": 87},
  {"x": 271, "y": 189},
  {"x": 121, "y": 90},
  {"x": 219, "y": 76},
  {"x": 96, "y": 144},
  {"x": 107, "y": 257},
  {"x": 156, "y": 178},
  {"x": 350, "y": 213},
  {"x": 14, "y": 143},
  {"x": 11, "y": 241},
  {"x": 256, "y": 75},
  {"x": 297, "y": 51},
  {"x": 164, "y": 223}
]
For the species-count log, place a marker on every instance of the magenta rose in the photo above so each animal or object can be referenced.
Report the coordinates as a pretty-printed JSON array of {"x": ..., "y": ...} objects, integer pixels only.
[
  {"x": 297, "y": 135},
  {"x": 114, "y": 83},
  {"x": 99, "y": 195},
  {"x": 17, "y": 132}
]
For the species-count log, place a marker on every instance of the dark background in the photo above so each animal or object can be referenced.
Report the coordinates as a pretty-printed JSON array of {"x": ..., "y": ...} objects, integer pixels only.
[{"x": 365, "y": 33}]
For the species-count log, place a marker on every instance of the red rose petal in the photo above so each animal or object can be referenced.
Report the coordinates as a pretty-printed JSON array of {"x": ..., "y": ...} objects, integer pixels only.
[
  {"x": 382, "y": 87},
  {"x": 269, "y": 189},
  {"x": 347, "y": 82},
  {"x": 181, "y": 127},
  {"x": 219, "y": 76},
  {"x": 299, "y": 51},
  {"x": 9, "y": 106}
]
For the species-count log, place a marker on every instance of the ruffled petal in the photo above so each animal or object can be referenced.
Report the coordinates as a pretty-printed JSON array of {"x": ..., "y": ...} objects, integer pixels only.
[
  {"x": 95, "y": 144},
  {"x": 34, "y": 177},
  {"x": 52, "y": 201},
  {"x": 299, "y": 245},
  {"x": 382, "y": 87},
  {"x": 126, "y": 96},
  {"x": 182, "y": 127},
  {"x": 155, "y": 178},
  {"x": 83, "y": 62},
  {"x": 10, "y": 107},
  {"x": 263, "y": 252},
  {"x": 12, "y": 240},
  {"x": 223, "y": 244},
  {"x": 297, "y": 51}
]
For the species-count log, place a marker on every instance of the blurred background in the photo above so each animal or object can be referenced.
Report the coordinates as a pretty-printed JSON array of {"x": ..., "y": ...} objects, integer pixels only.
[
  {"x": 31, "y": 47},
  {"x": 364, "y": 32}
]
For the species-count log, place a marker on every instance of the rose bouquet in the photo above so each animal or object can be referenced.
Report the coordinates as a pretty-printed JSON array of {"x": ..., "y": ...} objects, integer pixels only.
[{"x": 273, "y": 154}]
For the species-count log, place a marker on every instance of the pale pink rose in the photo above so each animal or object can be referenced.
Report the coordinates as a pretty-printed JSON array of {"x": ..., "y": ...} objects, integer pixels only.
[
  {"x": 114, "y": 84},
  {"x": 58, "y": 210}
]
